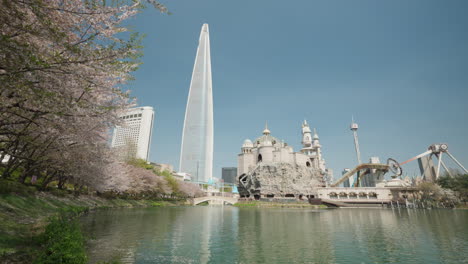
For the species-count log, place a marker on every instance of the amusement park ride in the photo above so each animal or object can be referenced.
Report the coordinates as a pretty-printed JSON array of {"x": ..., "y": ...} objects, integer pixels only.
[
  {"x": 392, "y": 165},
  {"x": 434, "y": 150},
  {"x": 425, "y": 163}
]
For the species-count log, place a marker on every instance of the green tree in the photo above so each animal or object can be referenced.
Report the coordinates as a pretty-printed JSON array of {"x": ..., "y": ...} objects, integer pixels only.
[{"x": 457, "y": 183}]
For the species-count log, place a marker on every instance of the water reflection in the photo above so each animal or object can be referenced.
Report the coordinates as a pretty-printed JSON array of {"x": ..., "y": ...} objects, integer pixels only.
[
  {"x": 256, "y": 235},
  {"x": 284, "y": 236}
]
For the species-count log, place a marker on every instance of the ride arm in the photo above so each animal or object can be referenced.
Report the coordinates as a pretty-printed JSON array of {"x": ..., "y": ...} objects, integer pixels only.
[{"x": 417, "y": 157}]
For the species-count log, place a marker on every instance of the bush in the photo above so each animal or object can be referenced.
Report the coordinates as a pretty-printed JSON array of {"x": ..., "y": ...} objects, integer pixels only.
[
  {"x": 62, "y": 241},
  {"x": 156, "y": 204},
  {"x": 7, "y": 186},
  {"x": 173, "y": 183},
  {"x": 57, "y": 192},
  {"x": 140, "y": 163},
  {"x": 110, "y": 195},
  {"x": 226, "y": 189},
  {"x": 458, "y": 183}
]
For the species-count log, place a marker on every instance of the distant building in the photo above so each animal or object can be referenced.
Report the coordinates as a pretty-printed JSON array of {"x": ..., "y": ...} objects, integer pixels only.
[
  {"x": 133, "y": 138},
  {"x": 346, "y": 183},
  {"x": 182, "y": 176},
  {"x": 163, "y": 166},
  {"x": 373, "y": 176},
  {"x": 229, "y": 174}
]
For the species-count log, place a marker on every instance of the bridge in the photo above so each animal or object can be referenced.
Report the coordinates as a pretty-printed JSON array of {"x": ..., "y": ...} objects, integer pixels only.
[{"x": 215, "y": 200}]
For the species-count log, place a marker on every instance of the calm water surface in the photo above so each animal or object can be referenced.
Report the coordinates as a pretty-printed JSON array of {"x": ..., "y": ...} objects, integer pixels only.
[{"x": 205, "y": 234}]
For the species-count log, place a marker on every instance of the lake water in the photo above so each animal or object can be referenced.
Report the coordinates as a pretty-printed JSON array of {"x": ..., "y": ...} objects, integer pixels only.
[{"x": 217, "y": 234}]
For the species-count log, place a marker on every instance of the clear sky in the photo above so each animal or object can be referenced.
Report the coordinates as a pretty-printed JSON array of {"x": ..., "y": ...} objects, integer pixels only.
[{"x": 400, "y": 67}]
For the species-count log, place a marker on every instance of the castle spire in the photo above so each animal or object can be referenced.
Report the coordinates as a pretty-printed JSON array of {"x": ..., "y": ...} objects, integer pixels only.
[
  {"x": 266, "y": 131},
  {"x": 315, "y": 134}
]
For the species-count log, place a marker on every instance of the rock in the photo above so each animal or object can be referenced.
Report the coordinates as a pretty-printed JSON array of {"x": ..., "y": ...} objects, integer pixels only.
[{"x": 279, "y": 180}]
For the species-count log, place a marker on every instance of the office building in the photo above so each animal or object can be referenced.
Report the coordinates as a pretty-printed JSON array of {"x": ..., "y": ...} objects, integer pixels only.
[{"x": 133, "y": 137}]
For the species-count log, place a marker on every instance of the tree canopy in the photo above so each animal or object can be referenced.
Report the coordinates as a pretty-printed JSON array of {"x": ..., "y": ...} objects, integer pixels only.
[{"x": 63, "y": 65}]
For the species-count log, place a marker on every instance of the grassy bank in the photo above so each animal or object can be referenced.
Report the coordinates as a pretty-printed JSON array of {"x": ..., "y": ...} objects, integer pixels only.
[
  {"x": 278, "y": 205},
  {"x": 26, "y": 215}
]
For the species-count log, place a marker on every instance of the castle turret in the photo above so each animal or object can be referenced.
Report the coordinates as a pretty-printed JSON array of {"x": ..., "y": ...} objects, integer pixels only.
[
  {"x": 318, "y": 151},
  {"x": 306, "y": 135},
  {"x": 315, "y": 140},
  {"x": 247, "y": 146}
]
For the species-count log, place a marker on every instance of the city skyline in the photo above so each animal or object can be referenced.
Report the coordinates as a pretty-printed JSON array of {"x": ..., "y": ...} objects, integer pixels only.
[{"x": 399, "y": 68}]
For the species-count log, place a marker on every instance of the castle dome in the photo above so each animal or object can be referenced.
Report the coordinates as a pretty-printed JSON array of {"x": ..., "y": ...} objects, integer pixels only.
[
  {"x": 266, "y": 140},
  {"x": 247, "y": 144}
]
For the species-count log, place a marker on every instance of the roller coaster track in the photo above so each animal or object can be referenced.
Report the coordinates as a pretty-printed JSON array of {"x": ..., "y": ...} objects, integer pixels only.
[{"x": 363, "y": 166}]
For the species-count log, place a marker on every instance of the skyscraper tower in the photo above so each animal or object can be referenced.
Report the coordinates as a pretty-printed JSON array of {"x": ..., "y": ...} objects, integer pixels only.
[
  {"x": 196, "y": 155},
  {"x": 133, "y": 138},
  {"x": 354, "y": 128}
]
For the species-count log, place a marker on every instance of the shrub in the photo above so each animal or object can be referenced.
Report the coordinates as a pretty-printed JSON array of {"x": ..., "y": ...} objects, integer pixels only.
[
  {"x": 7, "y": 186},
  {"x": 458, "y": 183},
  {"x": 62, "y": 242},
  {"x": 57, "y": 192},
  {"x": 173, "y": 183},
  {"x": 156, "y": 204}
]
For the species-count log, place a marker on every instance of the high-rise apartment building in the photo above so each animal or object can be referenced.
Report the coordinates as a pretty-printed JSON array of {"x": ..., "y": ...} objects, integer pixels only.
[
  {"x": 196, "y": 155},
  {"x": 133, "y": 138}
]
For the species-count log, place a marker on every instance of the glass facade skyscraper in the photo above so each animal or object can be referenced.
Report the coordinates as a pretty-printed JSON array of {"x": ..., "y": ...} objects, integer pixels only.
[{"x": 196, "y": 156}]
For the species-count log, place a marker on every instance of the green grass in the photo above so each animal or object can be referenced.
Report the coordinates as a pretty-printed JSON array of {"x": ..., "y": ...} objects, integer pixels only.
[
  {"x": 21, "y": 217},
  {"x": 62, "y": 241},
  {"x": 247, "y": 204}
]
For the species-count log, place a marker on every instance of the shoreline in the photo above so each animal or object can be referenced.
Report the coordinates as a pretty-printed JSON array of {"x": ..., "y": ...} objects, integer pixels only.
[
  {"x": 24, "y": 217},
  {"x": 265, "y": 204}
]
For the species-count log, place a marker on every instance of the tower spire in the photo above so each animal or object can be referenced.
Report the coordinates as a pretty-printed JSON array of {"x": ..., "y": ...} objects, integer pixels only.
[
  {"x": 354, "y": 128},
  {"x": 266, "y": 131},
  {"x": 196, "y": 156}
]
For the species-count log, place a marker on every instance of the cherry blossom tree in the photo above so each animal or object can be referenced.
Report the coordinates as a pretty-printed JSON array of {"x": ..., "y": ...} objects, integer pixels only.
[{"x": 62, "y": 67}]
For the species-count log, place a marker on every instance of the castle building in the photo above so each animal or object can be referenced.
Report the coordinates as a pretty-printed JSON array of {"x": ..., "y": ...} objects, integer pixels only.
[{"x": 268, "y": 149}]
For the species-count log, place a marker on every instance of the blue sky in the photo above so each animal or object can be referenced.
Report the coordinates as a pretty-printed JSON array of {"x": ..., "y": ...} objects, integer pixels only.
[{"x": 400, "y": 67}]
